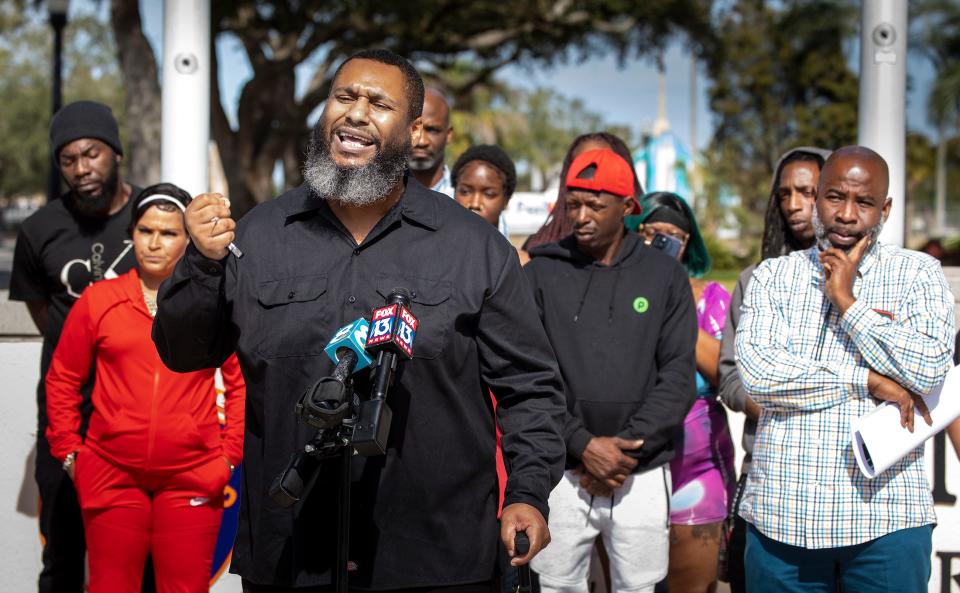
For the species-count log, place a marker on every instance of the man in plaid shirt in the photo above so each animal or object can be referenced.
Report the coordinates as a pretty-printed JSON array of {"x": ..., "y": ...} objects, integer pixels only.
[{"x": 826, "y": 334}]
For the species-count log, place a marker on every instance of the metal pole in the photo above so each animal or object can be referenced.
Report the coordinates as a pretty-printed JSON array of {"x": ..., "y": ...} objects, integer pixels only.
[
  {"x": 342, "y": 573},
  {"x": 58, "y": 22},
  {"x": 883, "y": 85},
  {"x": 185, "y": 130}
]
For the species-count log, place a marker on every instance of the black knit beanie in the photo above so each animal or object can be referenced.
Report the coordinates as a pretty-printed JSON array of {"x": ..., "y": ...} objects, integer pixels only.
[
  {"x": 492, "y": 155},
  {"x": 84, "y": 119}
]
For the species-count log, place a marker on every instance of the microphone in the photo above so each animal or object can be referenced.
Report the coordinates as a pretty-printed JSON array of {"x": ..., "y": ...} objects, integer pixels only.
[
  {"x": 392, "y": 333},
  {"x": 350, "y": 337},
  {"x": 394, "y": 326},
  {"x": 326, "y": 403}
]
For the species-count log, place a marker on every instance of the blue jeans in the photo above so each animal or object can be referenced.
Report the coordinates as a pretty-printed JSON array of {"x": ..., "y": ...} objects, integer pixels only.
[{"x": 898, "y": 562}]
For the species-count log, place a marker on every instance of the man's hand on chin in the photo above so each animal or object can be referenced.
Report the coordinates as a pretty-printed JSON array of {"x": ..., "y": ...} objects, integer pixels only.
[{"x": 840, "y": 268}]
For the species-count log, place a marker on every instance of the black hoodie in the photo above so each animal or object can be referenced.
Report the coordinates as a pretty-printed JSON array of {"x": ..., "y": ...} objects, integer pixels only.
[{"x": 625, "y": 339}]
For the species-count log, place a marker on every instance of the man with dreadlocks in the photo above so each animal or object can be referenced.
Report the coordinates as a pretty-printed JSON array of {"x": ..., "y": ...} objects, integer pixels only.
[{"x": 787, "y": 227}]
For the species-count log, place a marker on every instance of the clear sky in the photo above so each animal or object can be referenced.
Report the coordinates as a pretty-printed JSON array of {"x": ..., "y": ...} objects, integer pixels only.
[{"x": 625, "y": 95}]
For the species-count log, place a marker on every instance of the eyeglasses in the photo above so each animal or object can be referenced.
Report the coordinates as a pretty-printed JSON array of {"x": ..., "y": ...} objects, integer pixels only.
[{"x": 647, "y": 231}]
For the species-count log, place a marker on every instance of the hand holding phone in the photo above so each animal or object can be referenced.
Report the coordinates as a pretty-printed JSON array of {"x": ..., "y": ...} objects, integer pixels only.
[{"x": 667, "y": 244}]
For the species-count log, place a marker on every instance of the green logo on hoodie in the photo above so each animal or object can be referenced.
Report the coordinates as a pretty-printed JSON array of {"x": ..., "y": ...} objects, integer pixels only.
[{"x": 640, "y": 305}]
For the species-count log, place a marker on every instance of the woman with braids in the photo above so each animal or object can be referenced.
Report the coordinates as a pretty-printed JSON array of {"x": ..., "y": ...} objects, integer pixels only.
[
  {"x": 557, "y": 226},
  {"x": 702, "y": 471},
  {"x": 151, "y": 470}
]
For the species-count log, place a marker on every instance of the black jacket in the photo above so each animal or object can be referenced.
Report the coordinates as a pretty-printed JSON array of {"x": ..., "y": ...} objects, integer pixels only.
[
  {"x": 625, "y": 338},
  {"x": 425, "y": 514}
]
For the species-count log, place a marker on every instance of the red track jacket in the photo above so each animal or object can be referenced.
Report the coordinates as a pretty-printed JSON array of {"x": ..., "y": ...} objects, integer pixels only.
[{"x": 145, "y": 416}]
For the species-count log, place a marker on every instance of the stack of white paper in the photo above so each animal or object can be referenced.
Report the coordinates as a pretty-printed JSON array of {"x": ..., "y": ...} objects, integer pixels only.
[{"x": 878, "y": 439}]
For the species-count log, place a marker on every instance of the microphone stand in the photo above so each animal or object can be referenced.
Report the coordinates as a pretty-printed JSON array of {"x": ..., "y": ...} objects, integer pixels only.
[
  {"x": 344, "y": 425},
  {"x": 343, "y": 520},
  {"x": 328, "y": 406}
]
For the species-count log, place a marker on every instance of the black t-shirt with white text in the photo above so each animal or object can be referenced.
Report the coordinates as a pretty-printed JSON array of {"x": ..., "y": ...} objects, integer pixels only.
[{"x": 57, "y": 256}]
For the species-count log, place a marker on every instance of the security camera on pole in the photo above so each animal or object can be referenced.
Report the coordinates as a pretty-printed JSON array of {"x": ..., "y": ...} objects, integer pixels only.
[
  {"x": 185, "y": 133},
  {"x": 883, "y": 86}
]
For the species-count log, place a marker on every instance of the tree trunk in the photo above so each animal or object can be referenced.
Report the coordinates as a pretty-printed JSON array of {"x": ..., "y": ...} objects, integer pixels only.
[
  {"x": 269, "y": 130},
  {"x": 138, "y": 66},
  {"x": 293, "y": 158},
  {"x": 249, "y": 167}
]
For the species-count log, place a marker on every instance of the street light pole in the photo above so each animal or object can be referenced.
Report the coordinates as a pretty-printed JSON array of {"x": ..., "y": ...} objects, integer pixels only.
[
  {"x": 58, "y": 21},
  {"x": 883, "y": 86},
  {"x": 185, "y": 129}
]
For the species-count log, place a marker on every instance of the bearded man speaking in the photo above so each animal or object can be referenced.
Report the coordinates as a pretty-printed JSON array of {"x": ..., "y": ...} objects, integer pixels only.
[{"x": 424, "y": 515}]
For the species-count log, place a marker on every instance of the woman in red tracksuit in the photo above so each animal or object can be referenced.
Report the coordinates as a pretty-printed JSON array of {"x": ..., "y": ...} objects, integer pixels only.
[{"x": 151, "y": 470}]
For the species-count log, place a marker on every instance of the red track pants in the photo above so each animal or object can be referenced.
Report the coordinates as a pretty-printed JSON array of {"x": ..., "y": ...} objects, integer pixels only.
[{"x": 174, "y": 517}]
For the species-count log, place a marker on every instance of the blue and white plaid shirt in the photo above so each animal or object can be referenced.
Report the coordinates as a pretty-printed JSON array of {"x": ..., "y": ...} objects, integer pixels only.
[
  {"x": 807, "y": 368},
  {"x": 444, "y": 185}
]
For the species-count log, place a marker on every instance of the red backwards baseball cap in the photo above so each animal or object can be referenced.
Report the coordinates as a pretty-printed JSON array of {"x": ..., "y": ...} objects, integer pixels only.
[{"x": 610, "y": 174}]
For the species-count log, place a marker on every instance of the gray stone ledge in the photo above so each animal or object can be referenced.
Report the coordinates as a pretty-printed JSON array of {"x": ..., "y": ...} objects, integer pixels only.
[{"x": 15, "y": 320}]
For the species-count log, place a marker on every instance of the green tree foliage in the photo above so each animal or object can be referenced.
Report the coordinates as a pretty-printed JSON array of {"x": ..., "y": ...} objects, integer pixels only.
[
  {"x": 921, "y": 174},
  {"x": 90, "y": 72},
  {"x": 779, "y": 78},
  {"x": 938, "y": 26},
  {"x": 11, "y": 15},
  {"x": 535, "y": 127},
  {"x": 921, "y": 159}
]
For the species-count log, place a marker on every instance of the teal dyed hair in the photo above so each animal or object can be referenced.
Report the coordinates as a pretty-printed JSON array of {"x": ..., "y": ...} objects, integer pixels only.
[{"x": 696, "y": 258}]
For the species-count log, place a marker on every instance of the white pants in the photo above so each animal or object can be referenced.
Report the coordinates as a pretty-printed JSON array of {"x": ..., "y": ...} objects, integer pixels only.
[{"x": 634, "y": 524}]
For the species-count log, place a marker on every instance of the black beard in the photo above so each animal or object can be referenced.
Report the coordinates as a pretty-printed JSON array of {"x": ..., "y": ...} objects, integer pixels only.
[
  {"x": 357, "y": 186},
  {"x": 94, "y": 207}
]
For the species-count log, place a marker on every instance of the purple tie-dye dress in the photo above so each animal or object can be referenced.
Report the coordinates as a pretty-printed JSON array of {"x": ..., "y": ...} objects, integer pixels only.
[{"x": 702, "y": 472}]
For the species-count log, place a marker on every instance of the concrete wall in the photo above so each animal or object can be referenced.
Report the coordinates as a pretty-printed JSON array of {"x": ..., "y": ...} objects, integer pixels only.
[{"x": 20, "y": 544}]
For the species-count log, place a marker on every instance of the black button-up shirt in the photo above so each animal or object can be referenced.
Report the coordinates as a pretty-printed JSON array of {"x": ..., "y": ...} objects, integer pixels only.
[{"x": 426, "y": 512}]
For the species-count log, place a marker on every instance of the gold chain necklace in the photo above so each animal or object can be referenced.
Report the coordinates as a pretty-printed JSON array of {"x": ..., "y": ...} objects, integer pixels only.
[{"x": 150, "y": 303}]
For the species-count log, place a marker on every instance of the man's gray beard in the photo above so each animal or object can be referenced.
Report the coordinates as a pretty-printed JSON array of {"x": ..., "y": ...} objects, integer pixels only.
[
  {"x": 356, "y": 186},
  {"x": 424, "y": 164},
  {"x": 823, "y": 243}
]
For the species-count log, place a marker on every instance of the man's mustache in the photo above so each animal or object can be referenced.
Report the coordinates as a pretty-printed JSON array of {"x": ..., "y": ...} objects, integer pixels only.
[{"x": 845, "y": 232}]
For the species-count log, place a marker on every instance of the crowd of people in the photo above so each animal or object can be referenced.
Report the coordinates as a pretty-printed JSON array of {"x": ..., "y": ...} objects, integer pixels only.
[{"x": 576, "y": 389}]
